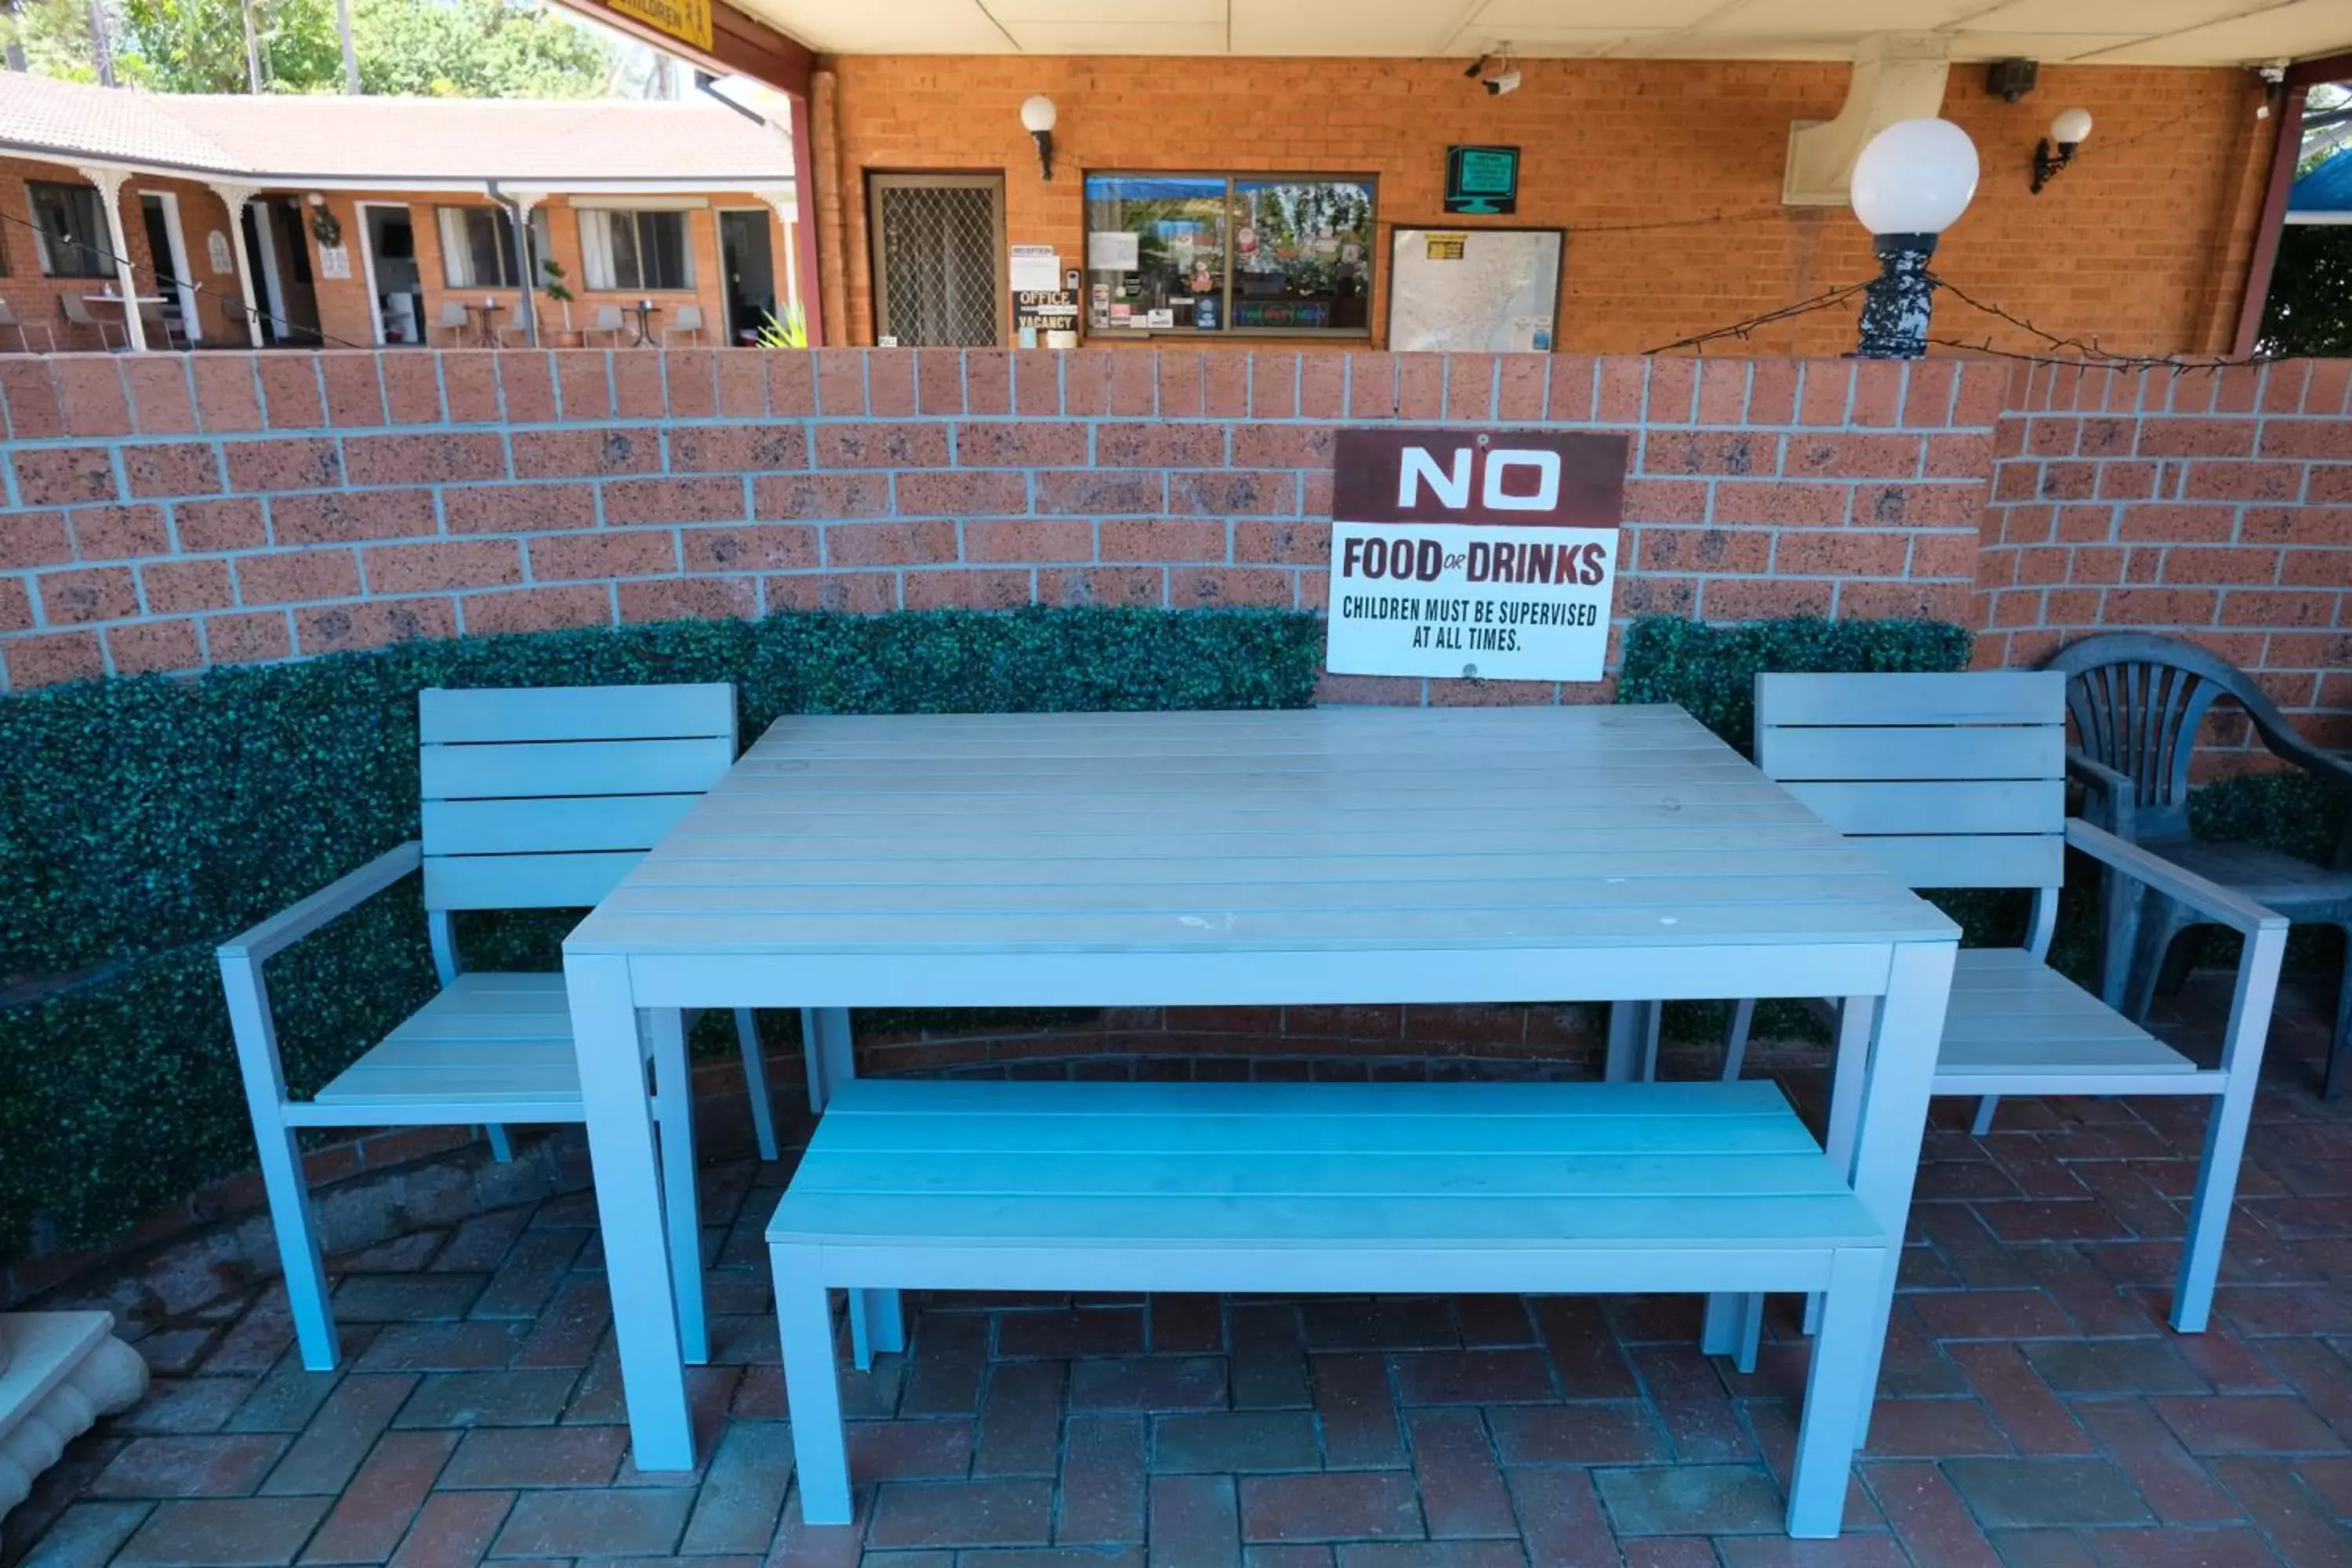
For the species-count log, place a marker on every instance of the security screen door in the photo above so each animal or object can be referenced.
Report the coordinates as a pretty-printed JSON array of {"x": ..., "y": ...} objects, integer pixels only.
[{"x": 939, "y": 259}]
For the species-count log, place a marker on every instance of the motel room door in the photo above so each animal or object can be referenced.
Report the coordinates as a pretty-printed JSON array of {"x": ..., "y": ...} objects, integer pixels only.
[{"x": 940, "y": 277}]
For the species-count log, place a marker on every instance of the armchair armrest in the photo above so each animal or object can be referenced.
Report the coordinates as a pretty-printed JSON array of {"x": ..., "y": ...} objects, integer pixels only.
[
  {"x": 329, "y": 903},
  {"x": 2114, "y": 786},
  {"x": 2231, "y": 909}
]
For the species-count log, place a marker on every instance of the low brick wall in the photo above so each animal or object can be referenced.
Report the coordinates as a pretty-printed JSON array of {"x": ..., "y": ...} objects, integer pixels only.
[
  {"x": 2211, "y": 506},
  {"x": 170, "y": 512}
]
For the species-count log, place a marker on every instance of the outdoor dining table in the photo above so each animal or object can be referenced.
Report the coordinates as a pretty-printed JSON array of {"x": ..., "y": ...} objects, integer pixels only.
[{"x": 1329, "y": 856}]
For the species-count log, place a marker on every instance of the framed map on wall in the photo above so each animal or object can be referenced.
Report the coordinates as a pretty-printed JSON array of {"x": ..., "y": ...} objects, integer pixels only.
[{"x": 1493, "y": 290}]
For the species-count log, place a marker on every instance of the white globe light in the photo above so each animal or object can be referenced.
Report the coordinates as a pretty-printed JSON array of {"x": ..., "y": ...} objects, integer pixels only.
[
  {"x": 2072, "y": 128},
  {"x": 1916, "y": 177},
  {"x": 1037, "y": 113}
]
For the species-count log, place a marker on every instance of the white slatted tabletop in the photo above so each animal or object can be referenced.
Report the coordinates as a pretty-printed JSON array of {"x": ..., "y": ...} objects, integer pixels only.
[{"x": 1328, "y": 856}]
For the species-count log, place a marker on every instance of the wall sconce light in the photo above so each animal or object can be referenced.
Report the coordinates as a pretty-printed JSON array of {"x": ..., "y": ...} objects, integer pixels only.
[
  {"x": 2069, "y": 130},
  {"x": 1912, "y": 182},
  {"x": 1037, "y": 117}
]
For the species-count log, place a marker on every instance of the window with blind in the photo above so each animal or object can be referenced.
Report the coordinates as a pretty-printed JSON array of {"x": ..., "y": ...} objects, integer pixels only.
[
  {"x": 636, "y": 250},
  {"x": 476, "y": 247},
  {"x": 69, "y": 230}
]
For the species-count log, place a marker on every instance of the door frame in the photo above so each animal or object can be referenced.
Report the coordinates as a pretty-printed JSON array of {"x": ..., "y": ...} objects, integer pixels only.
[
  {"x": 878, "y": 181},
  {"x": 719, "y": 236},
  {"x": 367, "y": 261},
  {"x": 265, "y": 234},
  {"x": 192, "y": 319}
]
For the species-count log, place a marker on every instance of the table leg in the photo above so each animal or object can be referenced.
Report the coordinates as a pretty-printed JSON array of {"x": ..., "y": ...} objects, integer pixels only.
[
  {"x": 629, "y": 1210},
  {"x": 1633, "y": 1036},
  {"x": 1892, "y": 1120},
  {"x": 1857, "y": 1015}
]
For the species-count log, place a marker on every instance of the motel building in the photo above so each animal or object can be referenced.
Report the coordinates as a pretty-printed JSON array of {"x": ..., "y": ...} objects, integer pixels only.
[
  {"x": 1586, "y": 175},
  {"x": 316, "y": 222}
]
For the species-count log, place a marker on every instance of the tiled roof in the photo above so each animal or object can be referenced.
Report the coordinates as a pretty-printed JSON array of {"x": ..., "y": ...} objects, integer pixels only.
[{"x": 286, "y": 139}]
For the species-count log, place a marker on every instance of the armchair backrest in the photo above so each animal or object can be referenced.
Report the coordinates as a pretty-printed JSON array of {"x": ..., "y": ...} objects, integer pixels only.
[
  {"x": 1950, "y": 781},
  {"x": 543, "y": 798},
  {"x": 2138, "y": 700}
]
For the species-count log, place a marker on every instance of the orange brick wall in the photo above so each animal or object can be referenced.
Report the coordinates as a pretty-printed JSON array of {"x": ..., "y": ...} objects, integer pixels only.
[
  {"x": 344, "y": 310},
  {"x": 2213, "y": 506},
  {"x": 34, "y": 298},
  {"x": 2142, "y": 243}
]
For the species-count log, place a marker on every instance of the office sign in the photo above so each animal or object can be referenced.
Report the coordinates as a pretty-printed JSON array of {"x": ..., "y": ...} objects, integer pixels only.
[
  {"x": 1474, "y": 554},
  {"x": 689, "y": 21},
  {"x": 1484, "y": 180}
]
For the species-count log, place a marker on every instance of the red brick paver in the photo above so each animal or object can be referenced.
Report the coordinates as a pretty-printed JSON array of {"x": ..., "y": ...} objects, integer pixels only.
[{"x": 2037, "y": 1412}]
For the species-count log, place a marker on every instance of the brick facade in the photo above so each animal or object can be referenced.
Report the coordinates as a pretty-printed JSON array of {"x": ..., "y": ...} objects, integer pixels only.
[
  {"x": 170, "y": 512},
  {"x": 343, "y": 307},
  {"x": 1666, "y": 174}
]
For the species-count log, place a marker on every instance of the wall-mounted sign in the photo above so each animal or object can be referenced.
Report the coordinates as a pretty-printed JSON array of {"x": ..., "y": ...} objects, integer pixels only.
[
  {"x": 1035, "y": 267},
  {"x": 1482, "y": 180},
  {"x": 1471, "y": 553},
  {"x": 1447, "y": 247},
  {"x": 686, "y": 20},
  {"x": 1046, "y": 314},
  {"x": 216, "y": 251},
  {"x": 334, "y": 261}
]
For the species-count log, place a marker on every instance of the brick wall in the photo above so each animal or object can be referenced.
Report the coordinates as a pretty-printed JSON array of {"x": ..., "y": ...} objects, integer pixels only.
[
  {"x": 166, "y": 512},
  {"x": 1667, "y": 174},
  {"x": 2211, "y": 506},
  {"x": 35, "y": 297}
]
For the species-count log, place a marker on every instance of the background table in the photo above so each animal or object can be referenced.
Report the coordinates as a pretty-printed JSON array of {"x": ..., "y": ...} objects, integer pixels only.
[{"x": 1323, "y": 857}]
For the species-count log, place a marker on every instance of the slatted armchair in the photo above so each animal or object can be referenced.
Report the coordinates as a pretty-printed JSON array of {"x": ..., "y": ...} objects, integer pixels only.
[
  {"x": 533, "y": 799},
  {"x": 2137, "y": 703},
  {"x": 1958, "y": 780}
]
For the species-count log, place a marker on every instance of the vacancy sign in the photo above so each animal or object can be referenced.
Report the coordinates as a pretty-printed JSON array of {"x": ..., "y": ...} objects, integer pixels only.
[{"x": 1486, "y": 556}]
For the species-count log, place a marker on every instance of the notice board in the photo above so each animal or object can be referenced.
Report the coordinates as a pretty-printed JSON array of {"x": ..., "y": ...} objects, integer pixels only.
[{"x": 1474, "y": 291}]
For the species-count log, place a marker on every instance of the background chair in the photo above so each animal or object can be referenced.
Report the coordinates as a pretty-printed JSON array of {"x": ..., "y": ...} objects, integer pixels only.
[
  {"x": 80, "y": 314},
  {"x": 533, "y": 798},
  {"x": 2137, "y": 701},
  {"x": 164, "y": 325},
  {"x": 1958, "y": 780},
  {"x": 8, "y": 322},
  {"x": 687, "y": 319},
  {"x": 608, "y": 320},
  {"x": 455, "y": 319}
]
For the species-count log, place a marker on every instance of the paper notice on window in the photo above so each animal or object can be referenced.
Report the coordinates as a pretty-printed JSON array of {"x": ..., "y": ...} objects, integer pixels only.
[
  {"x": 1036, "y": 269},
  {"x": 1113, "y": 250},
  {"x": 1447, "y": 247}
]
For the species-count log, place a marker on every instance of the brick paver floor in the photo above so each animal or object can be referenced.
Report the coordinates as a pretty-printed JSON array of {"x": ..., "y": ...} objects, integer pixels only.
[{"x": 2036, "y": 1412}]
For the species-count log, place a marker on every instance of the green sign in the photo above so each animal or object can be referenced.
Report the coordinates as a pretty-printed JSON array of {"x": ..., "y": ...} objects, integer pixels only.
[{"x": 1482, "y": 180}]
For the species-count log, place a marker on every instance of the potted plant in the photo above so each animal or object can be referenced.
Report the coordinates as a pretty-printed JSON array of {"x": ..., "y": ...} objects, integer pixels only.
[
  {"x": 791, "y": 332},
  {"x": 551, "y": 284}
]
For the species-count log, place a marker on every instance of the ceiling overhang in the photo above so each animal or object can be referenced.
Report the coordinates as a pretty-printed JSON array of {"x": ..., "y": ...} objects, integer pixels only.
[{"x": 2091, "y": 32}]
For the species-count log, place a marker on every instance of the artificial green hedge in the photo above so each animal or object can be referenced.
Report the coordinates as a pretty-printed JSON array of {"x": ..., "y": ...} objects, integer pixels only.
[{"x": 144, "y": 820}]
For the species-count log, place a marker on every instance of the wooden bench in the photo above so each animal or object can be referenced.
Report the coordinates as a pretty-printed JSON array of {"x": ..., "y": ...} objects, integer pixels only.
[{"x": 1348, "y": 1188}]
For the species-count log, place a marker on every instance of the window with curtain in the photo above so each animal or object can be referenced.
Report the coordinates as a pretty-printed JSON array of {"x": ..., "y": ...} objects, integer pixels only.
[
  {"x": 1217, "y": 253},
  {"x": 69, "y": 228},
  {"x": 643, "y": 251},
  {"x": 476, "y": 247}
]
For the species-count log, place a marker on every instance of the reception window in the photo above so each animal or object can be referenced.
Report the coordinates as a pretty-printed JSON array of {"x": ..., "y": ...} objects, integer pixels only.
[{"x": 1195, "y": 254}]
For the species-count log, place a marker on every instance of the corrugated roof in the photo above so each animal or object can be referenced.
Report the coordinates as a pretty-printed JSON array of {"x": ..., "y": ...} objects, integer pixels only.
[
  {"x": 288, "y": 140},
  {"x": 2327, "y": 189}
]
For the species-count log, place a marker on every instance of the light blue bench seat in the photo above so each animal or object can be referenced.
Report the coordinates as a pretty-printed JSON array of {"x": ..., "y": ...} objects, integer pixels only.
[{"x": 1351, "y": 1188}]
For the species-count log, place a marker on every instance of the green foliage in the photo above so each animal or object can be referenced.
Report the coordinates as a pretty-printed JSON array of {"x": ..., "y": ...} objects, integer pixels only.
[
  {"x": 54, "y": 37},
  {"x": 791, "y": 332},
  {"x": 1711, "y": 670},
  {"x": 467, "y": 49},
  {"x": 144, "y": 820},
  {"x": 2309, "y": 308}
]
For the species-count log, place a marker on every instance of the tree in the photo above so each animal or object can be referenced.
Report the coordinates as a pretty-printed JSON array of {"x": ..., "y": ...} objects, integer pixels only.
[
  {"x": 55, "y": 38},
  {"x": 467, "y": 49},
  {"x": 2309, "y": 310}
]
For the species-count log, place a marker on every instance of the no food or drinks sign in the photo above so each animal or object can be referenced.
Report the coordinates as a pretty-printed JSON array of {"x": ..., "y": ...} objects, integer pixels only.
[{"x": 1485, "y": 554}]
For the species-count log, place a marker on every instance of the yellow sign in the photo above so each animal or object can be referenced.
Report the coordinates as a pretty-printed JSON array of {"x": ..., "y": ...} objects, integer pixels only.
[
  {"x": 686, "y": 20},
  {"x": 1447, "y": 247}
]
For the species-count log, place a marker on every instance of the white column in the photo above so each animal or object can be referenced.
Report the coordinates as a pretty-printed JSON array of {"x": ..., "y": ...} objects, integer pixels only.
[
  {"x": 109, "y": 190},
  {"x": 788, "y": 211},
  {"x": 526, "y": 264},
  {"x": 234, "y": 198}
]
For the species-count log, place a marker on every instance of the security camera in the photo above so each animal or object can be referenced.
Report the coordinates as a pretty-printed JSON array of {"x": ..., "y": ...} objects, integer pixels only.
[{"x": 1503, "y": 81}]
